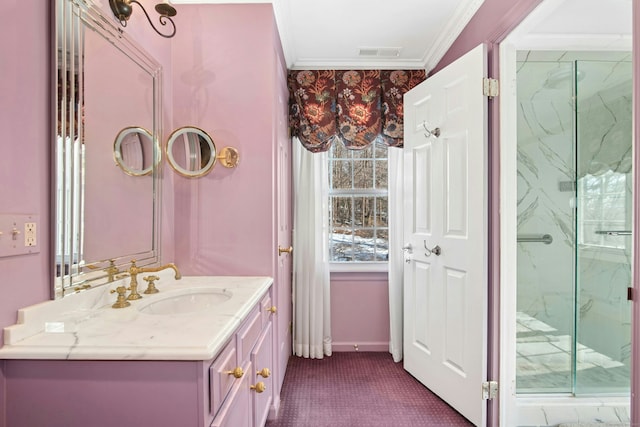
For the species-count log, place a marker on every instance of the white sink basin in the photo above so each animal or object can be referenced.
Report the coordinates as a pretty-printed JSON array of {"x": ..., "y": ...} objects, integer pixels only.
[{"x": 186, "y": 301}]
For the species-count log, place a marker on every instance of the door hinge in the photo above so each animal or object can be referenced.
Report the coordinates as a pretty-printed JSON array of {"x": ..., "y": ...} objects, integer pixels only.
[
  {"x": 489, "y": 390},
  {"x": 490, "y": 87},
  {"x": 630, "y": 294}
]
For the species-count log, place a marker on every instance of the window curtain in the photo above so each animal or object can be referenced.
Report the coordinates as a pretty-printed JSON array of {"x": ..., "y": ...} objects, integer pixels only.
[
  {"x": 395, "y": 212},
  {"x": 311, "y": 304},
  {"x": 359, "y": 107}
]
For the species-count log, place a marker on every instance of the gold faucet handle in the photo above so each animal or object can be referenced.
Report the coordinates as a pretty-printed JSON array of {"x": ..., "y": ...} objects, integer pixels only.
[
  {"x": 151, "y": 286},
  {"x": 121, "y": 301},
  {"x": 112, "y": 270}
]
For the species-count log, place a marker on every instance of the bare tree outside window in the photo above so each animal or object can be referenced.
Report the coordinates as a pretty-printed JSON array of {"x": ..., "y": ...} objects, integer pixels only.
[{"x": 358, "y": 204}]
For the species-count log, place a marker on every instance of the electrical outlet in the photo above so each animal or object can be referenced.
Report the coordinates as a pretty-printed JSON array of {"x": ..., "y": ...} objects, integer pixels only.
[
  {"x": 18, "y": 234},
  {"x": 30, "y": 234}
]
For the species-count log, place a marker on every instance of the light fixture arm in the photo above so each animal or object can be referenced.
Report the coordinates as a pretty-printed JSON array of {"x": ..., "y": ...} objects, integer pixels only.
[{"x": 122, "y": 10}]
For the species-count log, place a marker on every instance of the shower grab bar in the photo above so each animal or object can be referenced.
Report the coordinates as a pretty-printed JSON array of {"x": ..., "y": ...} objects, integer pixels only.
[
  {"x": 544, "y": 238},
  {"x": 614, "y": 232}
]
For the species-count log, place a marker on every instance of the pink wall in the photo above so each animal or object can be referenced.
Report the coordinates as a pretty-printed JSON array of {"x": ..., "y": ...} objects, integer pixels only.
[
  {"x": 24, "y": 165},
  {"x": 224, "y": 84},
  {"x": 359, "y": 311},
  {"x": 26, "y": 129}
]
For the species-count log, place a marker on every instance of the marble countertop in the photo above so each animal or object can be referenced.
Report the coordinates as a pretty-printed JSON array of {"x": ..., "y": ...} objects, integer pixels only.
[{"x": 83, "y": 326}]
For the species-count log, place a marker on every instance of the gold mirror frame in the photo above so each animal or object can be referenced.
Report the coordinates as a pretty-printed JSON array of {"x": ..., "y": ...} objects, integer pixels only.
[
  {"x": 196, "y": 147},
  {"x": 122, "y": 157}
]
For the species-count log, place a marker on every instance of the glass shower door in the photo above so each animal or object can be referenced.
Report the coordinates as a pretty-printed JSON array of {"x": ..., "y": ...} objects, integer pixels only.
[
  {"x": 546, "y": 217},
  {"x": 574, "y": 158},
  {"x": 603, "y": 221}
]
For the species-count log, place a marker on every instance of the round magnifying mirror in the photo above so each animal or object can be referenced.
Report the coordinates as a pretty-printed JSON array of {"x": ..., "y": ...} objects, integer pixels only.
[
  {"x": 133, "y": 151},
  {"x": 191, "y": 152}
]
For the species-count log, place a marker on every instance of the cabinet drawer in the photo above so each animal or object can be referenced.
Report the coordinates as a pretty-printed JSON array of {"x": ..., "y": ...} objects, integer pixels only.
[
  {"x": 249, "y": 334},
  {"x": 221, "y": 377},
  {"x": 236, "y": 411}
]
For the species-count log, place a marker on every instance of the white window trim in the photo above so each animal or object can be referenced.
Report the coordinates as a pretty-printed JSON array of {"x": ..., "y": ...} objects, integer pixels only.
[{"x": 359, "y": 267}]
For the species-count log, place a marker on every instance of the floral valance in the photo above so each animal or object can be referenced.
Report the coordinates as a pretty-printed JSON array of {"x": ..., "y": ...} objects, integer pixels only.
[{"x": 357, "y": 106}]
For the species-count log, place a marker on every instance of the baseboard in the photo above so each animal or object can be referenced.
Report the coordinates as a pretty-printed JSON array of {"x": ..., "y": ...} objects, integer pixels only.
[
  {"x": 360, "y": 346},
  {"x": 274, "y": 410}
]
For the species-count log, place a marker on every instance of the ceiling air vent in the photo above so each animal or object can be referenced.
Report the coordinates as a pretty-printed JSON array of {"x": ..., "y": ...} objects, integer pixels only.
[
  {"x": 389, "y": 52},
  {"x": 366, "y": 51},
  {"x": 385, "y": 52}
]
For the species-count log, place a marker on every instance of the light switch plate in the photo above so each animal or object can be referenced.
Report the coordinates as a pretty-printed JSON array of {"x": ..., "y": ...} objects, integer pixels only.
[{"x": 18, "y": 234}]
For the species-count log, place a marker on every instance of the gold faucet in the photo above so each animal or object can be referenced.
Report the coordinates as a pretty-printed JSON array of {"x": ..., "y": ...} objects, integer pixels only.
[{"x": 134, "y": 270}]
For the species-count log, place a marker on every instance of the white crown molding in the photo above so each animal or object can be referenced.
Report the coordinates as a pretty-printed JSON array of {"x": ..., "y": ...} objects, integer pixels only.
[
  {"x": 282, "y": 12},
  {"x": 450, "y": 32}
]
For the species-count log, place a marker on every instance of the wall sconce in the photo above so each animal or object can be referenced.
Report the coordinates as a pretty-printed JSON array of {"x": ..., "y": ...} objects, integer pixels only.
[{"x": 122, "y": 10}]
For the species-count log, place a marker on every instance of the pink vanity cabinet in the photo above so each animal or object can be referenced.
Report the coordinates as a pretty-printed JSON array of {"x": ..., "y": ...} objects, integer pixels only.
[{"x": 145, "y": 393}]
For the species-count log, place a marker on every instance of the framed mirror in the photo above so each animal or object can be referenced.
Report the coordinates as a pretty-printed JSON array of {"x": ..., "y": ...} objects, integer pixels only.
[
  {"x": 107, "y": 90},
  {"x": 133, "y": 151},
  {"x": 191, "y": 152}
]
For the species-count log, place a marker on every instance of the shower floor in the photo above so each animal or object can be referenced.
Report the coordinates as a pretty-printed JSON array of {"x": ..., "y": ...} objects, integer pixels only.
[{"x": 543, "y": 363}]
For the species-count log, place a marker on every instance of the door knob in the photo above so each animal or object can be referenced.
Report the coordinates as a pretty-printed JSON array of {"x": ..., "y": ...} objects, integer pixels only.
[
  {"x": 282, "y": 250},
  {"x": 408, "y": 248}
]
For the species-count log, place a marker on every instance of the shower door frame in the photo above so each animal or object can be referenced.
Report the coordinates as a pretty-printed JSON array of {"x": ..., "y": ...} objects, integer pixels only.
[{"x": 503, "y": 198}]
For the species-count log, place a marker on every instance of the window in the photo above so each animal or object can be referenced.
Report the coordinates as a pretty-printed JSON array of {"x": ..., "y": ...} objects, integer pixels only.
[
  {"x": 359, "y": 231},
  {"x": 603, "y": 207}
]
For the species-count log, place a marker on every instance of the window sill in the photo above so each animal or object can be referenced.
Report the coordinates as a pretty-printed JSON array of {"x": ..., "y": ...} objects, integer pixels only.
[{"x": 359, "y": 267}]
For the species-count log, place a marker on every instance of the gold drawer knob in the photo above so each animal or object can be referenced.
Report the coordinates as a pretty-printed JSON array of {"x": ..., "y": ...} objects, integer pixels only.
[
  {"x": 264, "y": 372},
  {"x": 259, "y": 387},
  {"x": 237, "y": 372},
  {"x": 272, "y": 309}
]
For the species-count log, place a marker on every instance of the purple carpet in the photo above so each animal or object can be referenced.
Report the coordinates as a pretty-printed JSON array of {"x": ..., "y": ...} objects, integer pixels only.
[{"x": 358, "y": 389}]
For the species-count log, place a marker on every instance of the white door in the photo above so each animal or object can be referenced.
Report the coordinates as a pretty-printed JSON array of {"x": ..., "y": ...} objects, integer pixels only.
[
  {"x": 284, "y": 269},
  {"x": 445, "y": 197}
]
